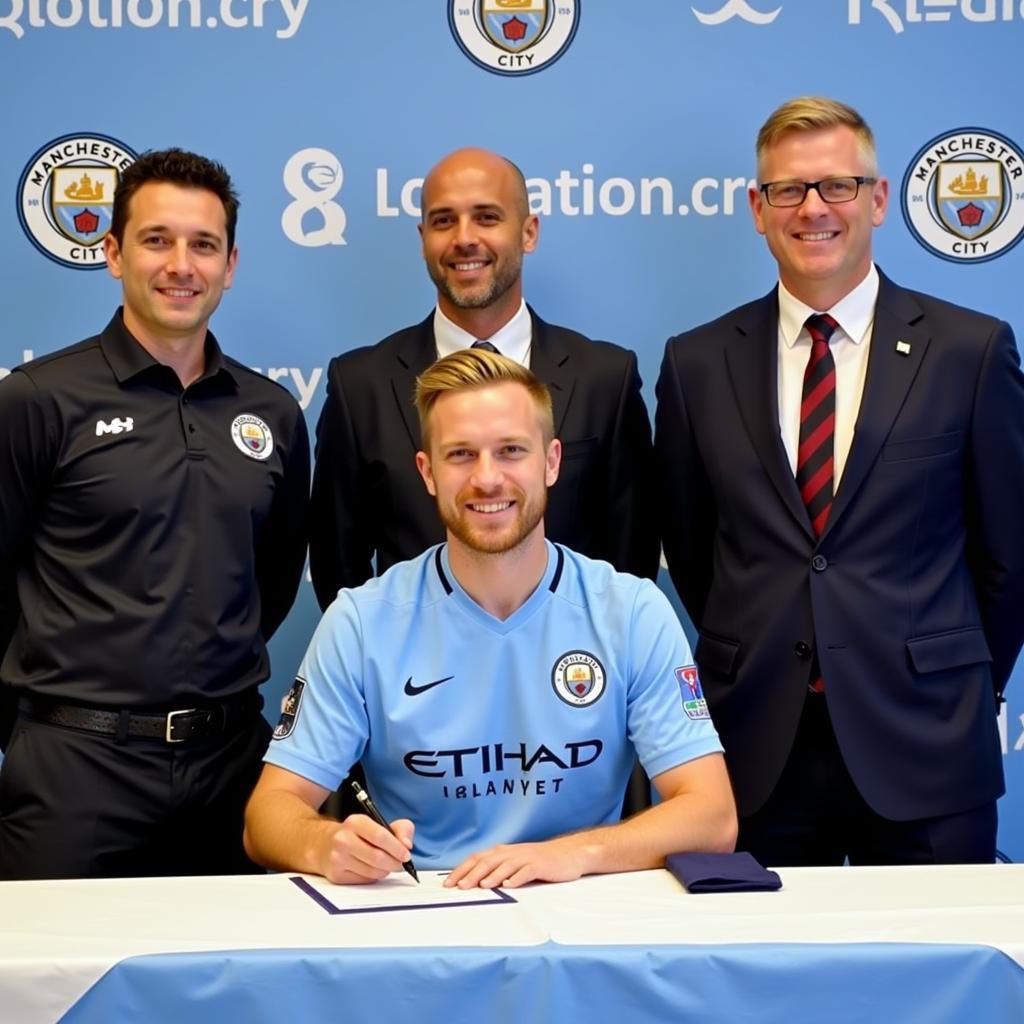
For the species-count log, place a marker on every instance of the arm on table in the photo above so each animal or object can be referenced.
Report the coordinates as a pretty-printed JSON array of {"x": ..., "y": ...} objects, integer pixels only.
[
  {"x": 285, "y": 832},
  {"x": 697, "y": 814}
]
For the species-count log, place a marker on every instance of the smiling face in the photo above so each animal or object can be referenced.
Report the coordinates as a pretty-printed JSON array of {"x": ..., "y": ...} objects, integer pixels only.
[
  {"x": 476, "y": 227},
  {"x": 489, "y": 467},
  {"x": 173, "y": 263},
  {"x": 823, "y": 250}
]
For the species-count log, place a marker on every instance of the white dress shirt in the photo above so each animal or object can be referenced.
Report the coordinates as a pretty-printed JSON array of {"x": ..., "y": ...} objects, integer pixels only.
[
  {"x": 512, "y": 340},
  {"x": 850, "y": 344}
]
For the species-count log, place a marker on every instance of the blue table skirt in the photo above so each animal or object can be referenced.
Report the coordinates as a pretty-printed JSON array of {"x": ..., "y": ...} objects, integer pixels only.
[{"x": 870, "y": 983}]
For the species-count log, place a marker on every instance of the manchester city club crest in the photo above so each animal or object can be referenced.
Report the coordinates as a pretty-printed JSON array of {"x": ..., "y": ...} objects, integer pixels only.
[
  {"x": 963, "y": 195},
  {"x": 290, "y": 704},
  {"x": 252, "y": 436},
  {"x": 66, "y": 197},
  {"x": 513, "y": 37},
  {"x": 690, "y": 690},
  {"x": 578, "y": 678}
]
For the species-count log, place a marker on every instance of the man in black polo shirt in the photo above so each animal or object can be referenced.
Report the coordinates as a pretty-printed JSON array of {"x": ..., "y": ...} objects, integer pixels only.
[{"x": 152, "y": 538}]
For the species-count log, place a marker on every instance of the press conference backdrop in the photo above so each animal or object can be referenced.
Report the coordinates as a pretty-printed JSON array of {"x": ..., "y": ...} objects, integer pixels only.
[{"x": 634, "y": 123}]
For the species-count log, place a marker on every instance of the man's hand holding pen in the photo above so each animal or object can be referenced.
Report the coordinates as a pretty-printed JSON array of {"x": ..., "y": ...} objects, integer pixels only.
[{"x": 360, "y": 850}]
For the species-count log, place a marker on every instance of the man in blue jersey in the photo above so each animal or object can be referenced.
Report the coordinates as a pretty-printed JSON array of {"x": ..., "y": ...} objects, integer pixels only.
[{"x": 496, "y": 687}]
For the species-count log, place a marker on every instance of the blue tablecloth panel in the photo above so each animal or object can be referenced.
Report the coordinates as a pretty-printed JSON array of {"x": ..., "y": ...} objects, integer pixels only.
[{"x": 871, "y": 983}]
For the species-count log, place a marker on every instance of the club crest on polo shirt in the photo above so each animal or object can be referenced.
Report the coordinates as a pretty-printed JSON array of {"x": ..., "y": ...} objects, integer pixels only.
[
  {"x": 252, "y": 436},
  {"x": 692, "y": 695},
  {"x": 578, "y": 678},
  {"x": 291, "y": 702}
]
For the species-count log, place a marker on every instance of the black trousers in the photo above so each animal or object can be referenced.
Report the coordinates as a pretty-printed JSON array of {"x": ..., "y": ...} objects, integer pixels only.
[
  {"x": 816, "y": 817},
  {"x": 77, "y": 804}
]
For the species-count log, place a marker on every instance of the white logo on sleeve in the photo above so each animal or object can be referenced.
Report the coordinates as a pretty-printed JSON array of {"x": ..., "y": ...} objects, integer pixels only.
[{"x": 116, "y": 426}]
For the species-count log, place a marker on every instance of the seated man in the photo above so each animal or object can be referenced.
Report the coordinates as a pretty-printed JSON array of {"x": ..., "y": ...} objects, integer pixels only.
[{"x": 495, "y": 687}]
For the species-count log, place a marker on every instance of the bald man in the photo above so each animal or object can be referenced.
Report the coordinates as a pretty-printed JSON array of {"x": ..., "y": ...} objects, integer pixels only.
[{"x": 369, "y": 506}]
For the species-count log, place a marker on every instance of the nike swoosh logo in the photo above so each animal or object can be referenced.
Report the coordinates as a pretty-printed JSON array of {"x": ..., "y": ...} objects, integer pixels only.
[{"x": 412, "y": 691}]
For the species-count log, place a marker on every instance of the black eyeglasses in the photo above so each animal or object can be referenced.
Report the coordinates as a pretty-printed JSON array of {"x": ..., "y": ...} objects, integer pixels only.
[{"x": 843, "y": 189}]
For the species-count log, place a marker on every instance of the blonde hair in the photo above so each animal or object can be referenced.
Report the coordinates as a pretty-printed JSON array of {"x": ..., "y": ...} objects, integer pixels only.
[
  {"x": 813, "y": 113},
  {"x": 472, "y": 368}
]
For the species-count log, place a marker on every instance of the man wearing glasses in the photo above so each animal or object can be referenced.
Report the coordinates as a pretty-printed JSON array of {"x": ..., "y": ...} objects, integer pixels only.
[{"x": 844, "y": 465}]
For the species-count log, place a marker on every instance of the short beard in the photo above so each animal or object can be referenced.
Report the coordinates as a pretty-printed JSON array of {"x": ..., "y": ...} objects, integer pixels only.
[
  {"x": 483, "y": 544},
  {"x": 500, "y": 284}
]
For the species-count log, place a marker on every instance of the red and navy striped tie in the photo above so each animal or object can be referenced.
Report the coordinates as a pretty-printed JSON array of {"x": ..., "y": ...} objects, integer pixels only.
[{"x": 815, "y": 464}]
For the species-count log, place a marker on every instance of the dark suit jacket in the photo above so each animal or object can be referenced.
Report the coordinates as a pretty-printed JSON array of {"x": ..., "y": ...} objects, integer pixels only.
[
  {"x": 913, "y": 597},
  {"x": 369, "y": 500}
]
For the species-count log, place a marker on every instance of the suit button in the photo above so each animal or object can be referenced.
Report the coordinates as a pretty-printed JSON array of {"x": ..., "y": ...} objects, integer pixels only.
[
  {"x": 803, "y": 651},
  {"x": 819, "y": 563}
]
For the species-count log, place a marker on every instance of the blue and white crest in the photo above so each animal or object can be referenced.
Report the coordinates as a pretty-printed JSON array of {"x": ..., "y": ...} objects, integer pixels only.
[
  {"x": 66, "y": 195},
  {"x": 961, "y": 195},
  {"x": 513, "y": 37},
  {"x": 578, "y": 678}
]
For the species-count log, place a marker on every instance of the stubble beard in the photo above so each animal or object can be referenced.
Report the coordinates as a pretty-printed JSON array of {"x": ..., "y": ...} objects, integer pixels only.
[
  {"x": 487, "y": 543},
  {"x": 473, "y": 298}
]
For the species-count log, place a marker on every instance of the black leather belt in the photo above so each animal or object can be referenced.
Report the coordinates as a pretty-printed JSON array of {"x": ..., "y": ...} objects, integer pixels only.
[{"x": 176, "y": 726}]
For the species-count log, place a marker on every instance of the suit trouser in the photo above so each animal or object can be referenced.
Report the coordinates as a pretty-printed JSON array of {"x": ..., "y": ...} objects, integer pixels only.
[
  {"x": 78, "y": 804},
  {"x": 815, "y": 816}
]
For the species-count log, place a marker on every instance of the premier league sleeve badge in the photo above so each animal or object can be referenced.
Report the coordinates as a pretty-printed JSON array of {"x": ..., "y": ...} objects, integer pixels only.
[
  {"x": 290, "y": 705},
  {"x": 694, "y": 703}
]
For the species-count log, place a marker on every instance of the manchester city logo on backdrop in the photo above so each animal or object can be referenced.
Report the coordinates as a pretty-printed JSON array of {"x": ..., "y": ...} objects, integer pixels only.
[
  {"x": 513, "y": 37},
  {"x": 66, "y": 196},
  {"x": 578, "y": 678},
  {"x": 963, "y": 195}
]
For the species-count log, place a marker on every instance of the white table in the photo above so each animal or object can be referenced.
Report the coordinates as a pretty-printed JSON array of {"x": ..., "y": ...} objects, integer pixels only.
[{"x": 880, "y": 945}]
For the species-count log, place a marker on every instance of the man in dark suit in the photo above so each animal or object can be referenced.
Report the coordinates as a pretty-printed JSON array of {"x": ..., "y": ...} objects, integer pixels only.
[
  {"x": 842, "y": 501},
  {"x": 369, "y": 506}
]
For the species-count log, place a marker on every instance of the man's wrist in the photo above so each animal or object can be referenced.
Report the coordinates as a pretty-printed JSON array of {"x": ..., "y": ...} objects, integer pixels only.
[{"x": 586, "y": 849}]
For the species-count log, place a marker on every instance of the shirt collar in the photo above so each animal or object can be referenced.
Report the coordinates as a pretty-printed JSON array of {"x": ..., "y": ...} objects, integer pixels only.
[
  {"x": 854, "y": 312},
  {"x": 512, "y": 340},
  {"x": 128, "y": 359}
]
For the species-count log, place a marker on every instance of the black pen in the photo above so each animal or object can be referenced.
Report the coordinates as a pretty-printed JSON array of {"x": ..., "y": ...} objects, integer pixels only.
[{"x": 371, "y": 809}]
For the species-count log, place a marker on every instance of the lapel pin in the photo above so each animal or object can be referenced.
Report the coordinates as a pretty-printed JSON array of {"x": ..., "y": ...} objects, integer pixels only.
[{"x": 903, "y": 347}]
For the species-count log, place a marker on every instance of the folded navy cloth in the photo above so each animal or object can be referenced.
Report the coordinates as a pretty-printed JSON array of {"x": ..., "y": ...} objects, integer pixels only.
[{"x": 721, "y": 872}]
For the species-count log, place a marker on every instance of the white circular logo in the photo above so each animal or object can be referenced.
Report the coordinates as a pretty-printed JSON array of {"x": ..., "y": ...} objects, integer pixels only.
[
  {"x": 514, "y": 37},
  {"x": 252, "y": 436},
  {"x": 313, "y": 178},
  {"x": 66, "y": 197},
  {"x": 963, "y": 195},
  {"x": 578, "y": 678}
]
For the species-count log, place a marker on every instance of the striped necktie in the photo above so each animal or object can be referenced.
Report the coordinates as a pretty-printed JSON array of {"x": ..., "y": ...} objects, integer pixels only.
[
  {"x": 815, "y": 461},
  {"x": 485, "y": 345}
]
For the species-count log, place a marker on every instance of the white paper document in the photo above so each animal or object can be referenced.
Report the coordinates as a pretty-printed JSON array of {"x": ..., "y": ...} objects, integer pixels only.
[{"x": 396, "y": 892}]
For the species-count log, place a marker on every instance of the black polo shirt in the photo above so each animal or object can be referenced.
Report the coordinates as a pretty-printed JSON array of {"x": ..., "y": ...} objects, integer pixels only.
[{"x": 152, "y": 537}]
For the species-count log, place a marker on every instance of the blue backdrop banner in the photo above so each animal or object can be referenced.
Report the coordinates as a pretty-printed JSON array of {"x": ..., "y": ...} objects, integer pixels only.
[{"x": 634, "y": 124}]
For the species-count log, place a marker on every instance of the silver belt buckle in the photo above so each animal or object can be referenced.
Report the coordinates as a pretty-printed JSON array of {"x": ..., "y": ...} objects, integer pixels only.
[{"x": 170, "y": 724}]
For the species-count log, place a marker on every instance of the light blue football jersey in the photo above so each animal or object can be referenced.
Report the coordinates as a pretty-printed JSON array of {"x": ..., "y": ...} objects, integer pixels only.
[{"x": 484, "y": 731}]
